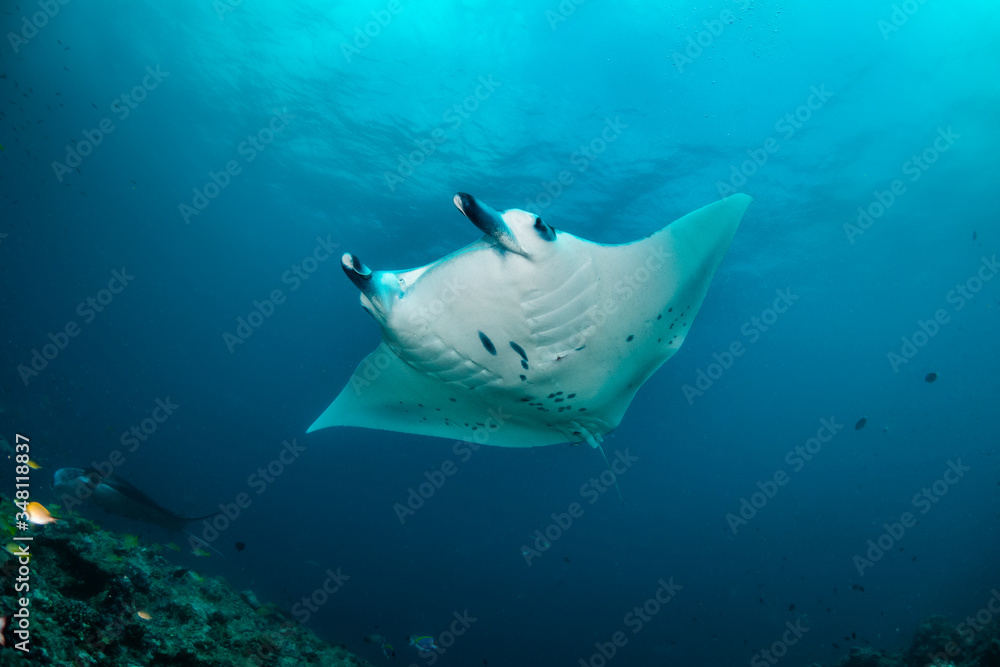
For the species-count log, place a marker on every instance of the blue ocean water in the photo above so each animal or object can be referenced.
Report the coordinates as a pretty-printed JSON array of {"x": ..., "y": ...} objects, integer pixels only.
[{"x": 167, "y": 167}]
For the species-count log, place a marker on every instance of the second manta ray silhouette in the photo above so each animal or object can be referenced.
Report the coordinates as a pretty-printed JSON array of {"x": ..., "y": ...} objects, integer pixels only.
[
  {"x": 117, "y": 496},
  {"x": 529, "y": 336}
]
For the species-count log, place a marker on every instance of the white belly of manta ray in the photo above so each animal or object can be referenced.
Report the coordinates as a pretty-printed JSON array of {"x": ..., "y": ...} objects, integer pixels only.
[{"x": 529, "y": 336}]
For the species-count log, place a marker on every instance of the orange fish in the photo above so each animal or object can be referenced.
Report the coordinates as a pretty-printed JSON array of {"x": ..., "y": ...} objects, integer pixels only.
[{"x": 38, "y": 514}]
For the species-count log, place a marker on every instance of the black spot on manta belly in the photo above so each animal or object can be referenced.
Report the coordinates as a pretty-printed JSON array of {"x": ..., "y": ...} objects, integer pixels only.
[
  {"x": 629, "y": 339},
  {"x": 520, "y": 350},
  {"x": 524, "y": 364},
  {"x": 487, "y": 343},
  {"x": 524, "y": 378}
]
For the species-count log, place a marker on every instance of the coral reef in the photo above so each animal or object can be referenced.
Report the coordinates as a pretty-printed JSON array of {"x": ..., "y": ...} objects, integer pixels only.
[
  {"x": 96, "y": 599},
  {"x": 936, "y": 643}
]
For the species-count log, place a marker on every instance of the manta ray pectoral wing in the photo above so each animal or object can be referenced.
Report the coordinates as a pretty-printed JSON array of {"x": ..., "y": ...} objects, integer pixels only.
[
  {"x": 700, "y": 239},
  {"x": 387, "y": 393},
  {"x": 502, "y": 346}
]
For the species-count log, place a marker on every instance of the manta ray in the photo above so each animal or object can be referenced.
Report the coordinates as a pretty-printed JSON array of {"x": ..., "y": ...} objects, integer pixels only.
[
  {"x": 117, "y": 496},
  {"x": 530, "y": 335}
]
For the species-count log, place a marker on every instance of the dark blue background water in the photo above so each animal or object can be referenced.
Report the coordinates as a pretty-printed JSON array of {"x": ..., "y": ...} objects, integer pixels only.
[{"x": 554, "y": 83}]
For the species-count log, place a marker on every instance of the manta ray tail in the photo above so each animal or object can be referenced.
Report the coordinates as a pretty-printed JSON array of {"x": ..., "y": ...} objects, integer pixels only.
[
  {"x": 613, "y": 475},
  {"x": 194, "y": 540}
]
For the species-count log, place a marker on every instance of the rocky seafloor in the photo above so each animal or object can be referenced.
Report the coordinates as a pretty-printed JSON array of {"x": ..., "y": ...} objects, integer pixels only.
[
  {"x": 936, "y": 643},
  {"x": 99, "y": 599}
]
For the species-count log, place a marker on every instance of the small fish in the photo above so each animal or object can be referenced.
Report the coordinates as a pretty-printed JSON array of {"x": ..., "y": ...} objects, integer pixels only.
[
  {"x": 930, "y": 377},
  {"x": 240, "y": 546},
  {"x": 37, "y": 514},
  {"x": 14, "y": 548},
  {"x": 198, "y": 551},
  {"x": 144, "y": 615},
  {"x": 34, "y": 466},
  {"x": 858, "y": 587},
  {"x": 423, "y": 643},
  {"x": 791, "y": 607},
  {"x": 975, "y": 236},
  {"x": 130, "y": 541},
  {"x": 173, "y": 547},
  {"x": 861, "y": 423}
]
